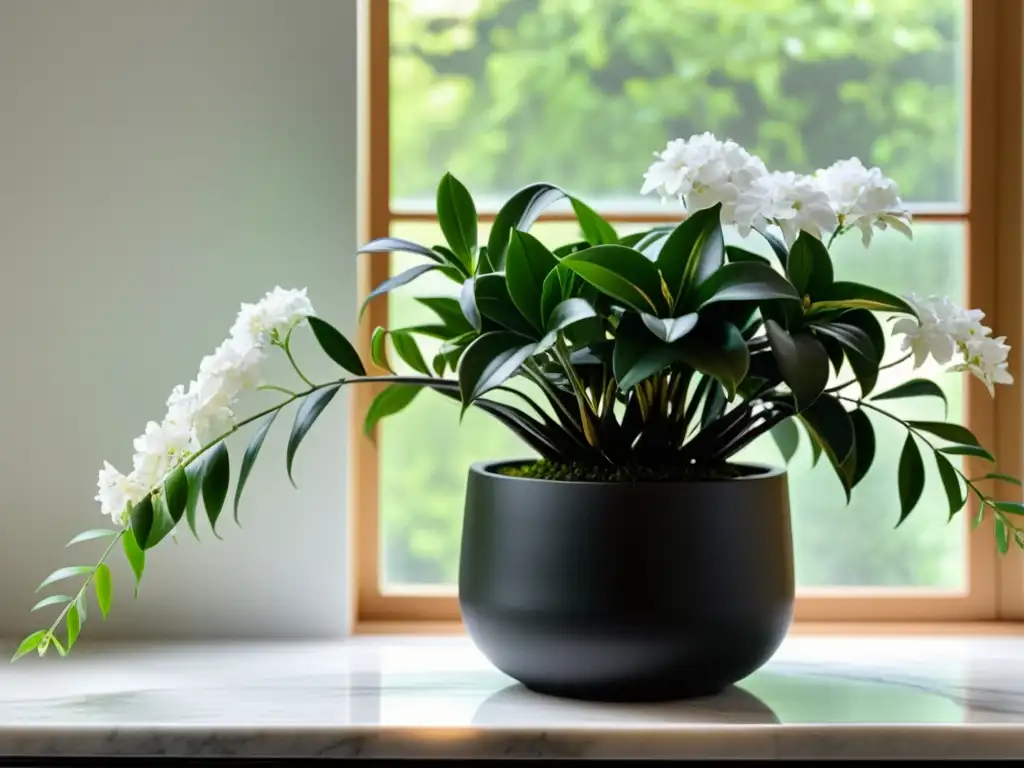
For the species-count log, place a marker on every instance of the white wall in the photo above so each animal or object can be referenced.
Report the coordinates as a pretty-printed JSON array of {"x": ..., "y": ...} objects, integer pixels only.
[{"x": 160, "y": 162}]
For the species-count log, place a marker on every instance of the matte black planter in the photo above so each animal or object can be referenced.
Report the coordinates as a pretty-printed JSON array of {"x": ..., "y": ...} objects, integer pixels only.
[{"x": 626, "y": 591}]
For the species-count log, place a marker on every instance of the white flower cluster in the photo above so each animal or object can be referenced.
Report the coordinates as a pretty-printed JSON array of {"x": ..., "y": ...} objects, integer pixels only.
[
  {"x": 203, "y": 411},
  {"x": 703, "y": 171},
  {"x": 945, "y": 329}
]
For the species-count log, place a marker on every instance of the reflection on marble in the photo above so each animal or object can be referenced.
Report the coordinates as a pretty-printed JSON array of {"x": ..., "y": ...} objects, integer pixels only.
[{"x": 437, "y": 697}]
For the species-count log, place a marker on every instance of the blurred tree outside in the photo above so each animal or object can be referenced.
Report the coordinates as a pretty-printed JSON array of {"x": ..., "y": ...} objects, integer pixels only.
[{"x": 580, "y": 93}]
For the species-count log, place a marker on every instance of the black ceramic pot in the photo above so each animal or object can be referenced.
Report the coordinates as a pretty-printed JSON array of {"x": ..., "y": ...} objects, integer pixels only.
[{"x": 626, "y": 591}]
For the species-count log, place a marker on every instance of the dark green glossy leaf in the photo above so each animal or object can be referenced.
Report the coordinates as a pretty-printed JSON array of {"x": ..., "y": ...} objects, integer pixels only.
[
  {"x": 449, "y": 312},
  {"x": 194, "y": 475},
  {"x": 29, "y": 644},
  {"x": 914, "y": 388},
  {"x": 143, "y": 521},
  {"x": 449, "y": 352},
  {"x": 848, "y": 295},
  {"x": 787, "y": 439},
  {"x": 393, "y": 399},
  {"x": 693, "y": 251},
  {"x": 397, "y": 281},
  {"x": 527, "y": 263},
  {"x": 65, "y": 573},
  {"x": 519, "y": 212},
  {"x": 252, "y": 450},
  {"x": 744, "y": 281},
  {"x": 868, "y": 323},
  {"x": 175, "y": 493},
  {"x": 467, "y": 303},
  {"x": 489, "y": 362},
  {"x": 910, "y": 478},
  {"x": 551, "y": 292},
  {"x": 567, "y": 313},
  {"x": 621, "y": 273},
  {"x": 216, "y": 478},
  {"x": 95, "y": 533},
  {"x": 968, "y": 450},
  {"x": 432, "y": 330},
  {"x": 1008, "y": 507},
  {"x": 595, "y": 229},
  {"x": 714, "y": 405},
  {"x": 1003, "y": 478},
  {"x": 409, "y": 351},
  {"x": 456, "y": 214},
  {"x": 836, "y": 352},
  {"x": 860, "y": 351},
  {"x": 737, "y": 255},
  {"x": 803, "y": 363},
  {"x": 305, "y": 418},
  {"x": 392, "y": 244},
  {"x": 670, "y": 329},
  {"x": 832, "y": 429},
  {"x": 52, "y": 600},
  {"x": 1002, "y": 537},
  {"x": 135, "y": 556},
  {"x": 951, "y": 484},
  {"x": 778, "y": 248},
  {"x": 717, "y": 349},
  {"x": 864, "y": 445},
  {"x": 638, "y": 354},
  {"x": 954, "y": 433},
  {"x": 103, "y": 584},
  {"x": 810, "y": 266},
  {"x": 336, "y": 346},
  {"x": 495, "y": 303}
]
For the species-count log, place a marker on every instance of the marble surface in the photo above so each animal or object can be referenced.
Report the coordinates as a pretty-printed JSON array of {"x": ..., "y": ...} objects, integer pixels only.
[{"x": 438, "y": 697}]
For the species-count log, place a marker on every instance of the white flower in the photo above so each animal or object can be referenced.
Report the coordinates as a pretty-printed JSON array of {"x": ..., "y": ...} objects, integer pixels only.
[
  {"x": 864, "y": 198},
  {"x": 271, "y": 318},
  {"x": 985, "y": 357},
  {"x": 159, "y": 450},
  {"x": 703, "y": 171},
  {"x": 793, "y": 202},
  {"x": 117, "y": 492}
]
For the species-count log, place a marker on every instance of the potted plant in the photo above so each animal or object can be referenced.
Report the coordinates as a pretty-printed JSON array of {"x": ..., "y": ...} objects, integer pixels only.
[{"x": 631, "y": 558}]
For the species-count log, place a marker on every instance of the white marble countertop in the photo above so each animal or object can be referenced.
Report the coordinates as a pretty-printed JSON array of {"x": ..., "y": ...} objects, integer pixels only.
[{"x": 438, "y": 697}]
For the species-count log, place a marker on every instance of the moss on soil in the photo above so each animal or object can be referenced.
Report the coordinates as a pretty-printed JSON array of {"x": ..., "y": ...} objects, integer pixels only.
[{"x": 548, "y": 470}]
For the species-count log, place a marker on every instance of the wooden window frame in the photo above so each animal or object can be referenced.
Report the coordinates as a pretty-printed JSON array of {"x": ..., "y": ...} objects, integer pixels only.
[{"x": 991, "y": 213}]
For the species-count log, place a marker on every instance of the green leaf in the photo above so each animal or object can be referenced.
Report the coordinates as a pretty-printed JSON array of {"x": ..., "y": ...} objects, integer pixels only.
[
  {"x": 216, "y": 478},
  {"x": 744, "y": 281},
  {"x": 670, "y": 329},
  {"x": 595, "y": 229},
  {"x": 621, "y": 273},
  {"x": 489, "y": 362},
  {"x": 717, "y": 349},
  {"x": 397, "y": 281},
  {"x": 95, "y": 533},
  {"x": 392, "y": 400},
  {"x": 305, "y": 417},
  {"x": 251, "y": 452},
  {"x": 847, "y": 295},
  {"x": 693, "y": 252},
  {"x": 175, "y": 493},
  {"x": 52, "y": 600},
  {"x": 1002, "y": 536},
  {"x": 954, "y": 433},
  {"x": 336, "y": 346},
  {"x": 787, "y": 439},
  {"x": 803, "y": 363},
  {"x": 194, "y": 474},
  {"x": 736, "y": 255},
  {"x": 519, "y": 212},
  {"x": 29, "y": 644},
  {"x": 409, "y": 351},
  {"x": 951, "y": 484},
  {"x": 449, "y": 312},
  {"x": 914, "y": 388},
  {"x": 467, "y": 303},
  {"x": 142, "y": 519},
  {"x": 1008, "y": 507},
  {"x": 74, "y": 625},
  {"x": 911, "y": 478},
  {"x": 864, "y": 445},
  {"x": 860, "y": 351},
  {"x": 978, "y": 517},
  {"x": 65, "y": 573},
  {"x": 567, "y": 313},
  {"x": 456, "y": 213},
  {"x": 449, "y": 353},
  {"x": 393, "y": 244},
  {"x": 527, "y": 264},
  {"x": 638, "y": 354},
  {"x": 495, "y": 303},
  {"x": 104, "y": 586},
  {"x": 831, "y": 428},
  {"x": 810, "y": 266},
  {"x": 968, "y": 450},
  {"x": 551, "y": 292},
  {"x": 136, "y": 557},
  {"x": 778, "y": 248},
  {"x": 1004, "y": 478},
  {"x": 56, "y": 644},
  {"x": 379, "y": 350}
]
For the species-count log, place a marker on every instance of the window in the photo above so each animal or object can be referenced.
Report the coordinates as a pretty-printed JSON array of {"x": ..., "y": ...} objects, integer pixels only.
[{"x": 505, "y": 92}]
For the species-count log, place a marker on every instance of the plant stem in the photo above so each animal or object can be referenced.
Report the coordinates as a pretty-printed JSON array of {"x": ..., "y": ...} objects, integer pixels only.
[
  {"x": 538, "y": 378},
  {"x": 275, "y": 388},
  {"x": 893, "y": 364},
  {"x": 287, "y": 347}
]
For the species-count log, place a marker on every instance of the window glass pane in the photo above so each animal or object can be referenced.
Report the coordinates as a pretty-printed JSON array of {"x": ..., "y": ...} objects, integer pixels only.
[
  {"x": 581, "y": 92},
  {"x": 425, "y": 453}
]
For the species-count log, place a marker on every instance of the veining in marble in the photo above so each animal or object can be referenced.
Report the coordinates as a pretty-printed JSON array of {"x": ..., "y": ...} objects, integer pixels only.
[{"x": 432, "y": 697}]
